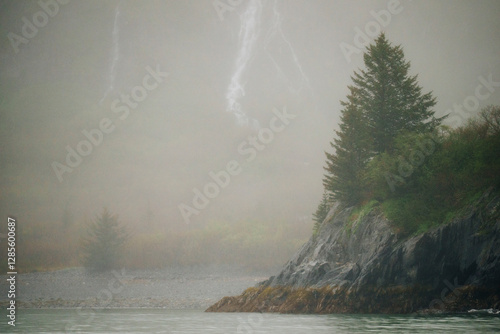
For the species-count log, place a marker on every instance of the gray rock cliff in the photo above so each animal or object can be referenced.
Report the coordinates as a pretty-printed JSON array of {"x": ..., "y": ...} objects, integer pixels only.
[
  {"x": 358, "y": 263},
  {"x": 369, "y": 253}
]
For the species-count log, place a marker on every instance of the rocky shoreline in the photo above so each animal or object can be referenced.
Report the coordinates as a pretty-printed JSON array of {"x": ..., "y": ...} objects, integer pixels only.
[
  {"x": 327, "y": 300},
  {"x": 362, "y": 266},
  {"x": 194, "y": 287}
]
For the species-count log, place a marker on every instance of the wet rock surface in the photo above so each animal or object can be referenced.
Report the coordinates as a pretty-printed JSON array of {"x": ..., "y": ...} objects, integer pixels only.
[{"x": 369, "y": 268}]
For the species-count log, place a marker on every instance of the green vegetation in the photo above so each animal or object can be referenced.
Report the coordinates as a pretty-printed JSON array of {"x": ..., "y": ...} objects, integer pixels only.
[
  {"x": 358, "y": 214},
  {"x": 352, "y": 151},
  {"x": 465, "y": 162},
  {"x": 321, "y": 212},
  {"x": 391, "y": 151},
  {"x": 384, "y": 102},
  {"x": 103, "y": 245}
]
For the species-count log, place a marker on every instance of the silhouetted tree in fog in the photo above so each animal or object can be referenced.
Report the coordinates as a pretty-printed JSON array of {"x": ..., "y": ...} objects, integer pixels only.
[{"x": 103, "y": 243}]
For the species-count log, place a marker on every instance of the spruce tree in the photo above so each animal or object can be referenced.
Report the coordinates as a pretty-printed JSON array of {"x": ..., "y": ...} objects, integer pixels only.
[
  {"x": 321, "y": 211},
  {"x": 384, "y": 102},
  {"x": 392, "y": 100},
  {"x": 103, "y": 244},
  {"x": 352, "y": 150}
]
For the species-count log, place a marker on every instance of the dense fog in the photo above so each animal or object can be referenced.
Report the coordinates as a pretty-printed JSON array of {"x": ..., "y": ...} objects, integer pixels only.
[{"x": 174, "y": 114}]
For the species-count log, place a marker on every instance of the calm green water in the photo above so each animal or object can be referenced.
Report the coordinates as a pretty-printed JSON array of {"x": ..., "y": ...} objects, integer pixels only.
[{"x": 168, "y": 321}]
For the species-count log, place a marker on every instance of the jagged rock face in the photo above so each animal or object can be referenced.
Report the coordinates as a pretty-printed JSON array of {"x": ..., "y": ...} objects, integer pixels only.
[
  {"x": 336, "y": 256},
  {"x": 366, "y": 267},
  {"x": 466, "y": 250}
]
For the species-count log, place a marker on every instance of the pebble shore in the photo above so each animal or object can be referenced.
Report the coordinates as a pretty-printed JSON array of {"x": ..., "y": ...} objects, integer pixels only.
[{"x": 194, "y": 287}]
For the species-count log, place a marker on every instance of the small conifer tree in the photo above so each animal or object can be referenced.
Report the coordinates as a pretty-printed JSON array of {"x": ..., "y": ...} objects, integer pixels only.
[{"x": 103, "y": 243}]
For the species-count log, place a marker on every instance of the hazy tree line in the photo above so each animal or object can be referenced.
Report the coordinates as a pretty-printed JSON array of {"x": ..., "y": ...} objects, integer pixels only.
[{"x": 255, "y": 245}]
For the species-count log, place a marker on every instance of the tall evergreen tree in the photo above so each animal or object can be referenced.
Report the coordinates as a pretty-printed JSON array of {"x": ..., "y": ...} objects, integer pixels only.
[
  {"x": 392, "y": 100},
  {"x": 384, "y": 102},
  {"x": 352, "y": 151}
]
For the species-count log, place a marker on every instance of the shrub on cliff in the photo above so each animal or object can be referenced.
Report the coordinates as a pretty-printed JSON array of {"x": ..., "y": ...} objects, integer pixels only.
[{"x": 464, "y": 162}]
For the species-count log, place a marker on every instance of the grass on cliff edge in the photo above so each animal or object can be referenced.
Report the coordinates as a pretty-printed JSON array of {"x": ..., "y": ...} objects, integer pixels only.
[{"x": 357, "y": 215}]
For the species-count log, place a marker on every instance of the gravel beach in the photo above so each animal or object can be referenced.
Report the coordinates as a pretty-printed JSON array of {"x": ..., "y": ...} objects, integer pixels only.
[{"x": 195, "y": 287}]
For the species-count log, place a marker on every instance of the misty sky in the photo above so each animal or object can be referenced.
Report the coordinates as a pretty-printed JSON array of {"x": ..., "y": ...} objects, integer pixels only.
[{"x": 231, "y": 70}]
